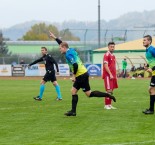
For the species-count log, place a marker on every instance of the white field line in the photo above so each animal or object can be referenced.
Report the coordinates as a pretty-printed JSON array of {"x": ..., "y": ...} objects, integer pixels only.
[
  {"x": 11, "y": 108},
  {"x": 133, "y": 143}
]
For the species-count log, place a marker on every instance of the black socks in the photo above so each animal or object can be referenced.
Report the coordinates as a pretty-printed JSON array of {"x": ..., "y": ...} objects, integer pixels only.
[
  {"x": 74, "y": 102},
  {"x": 152, "y": 101},
  {"x": 98, "y": 94},
  {"x": 102, "y": 94}
]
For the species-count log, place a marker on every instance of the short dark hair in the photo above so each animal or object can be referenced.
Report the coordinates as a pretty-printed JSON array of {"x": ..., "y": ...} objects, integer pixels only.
[
  {"x": 44, "y": 48},
  {"x": 148, "y": 37},
  {"x": 111, "y": 43}
]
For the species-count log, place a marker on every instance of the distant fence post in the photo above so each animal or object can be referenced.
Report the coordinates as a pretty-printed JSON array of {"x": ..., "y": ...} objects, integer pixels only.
[{"x": 3, "y": 60}]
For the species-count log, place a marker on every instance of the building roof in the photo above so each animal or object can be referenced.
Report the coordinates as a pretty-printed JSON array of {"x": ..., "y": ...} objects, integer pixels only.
[{"x": 136, "y": 45}]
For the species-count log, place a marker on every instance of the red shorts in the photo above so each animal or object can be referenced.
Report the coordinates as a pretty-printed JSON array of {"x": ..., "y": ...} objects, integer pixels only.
[{"x": 110, "y": 84}]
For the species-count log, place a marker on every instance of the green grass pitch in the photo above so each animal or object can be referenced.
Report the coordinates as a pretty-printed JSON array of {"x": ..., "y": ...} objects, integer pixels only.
[{"x": 24, "y": 121}]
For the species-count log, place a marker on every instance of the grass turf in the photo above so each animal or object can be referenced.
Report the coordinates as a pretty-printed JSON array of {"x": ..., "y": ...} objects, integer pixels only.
[{"x": 24, "y": 121}]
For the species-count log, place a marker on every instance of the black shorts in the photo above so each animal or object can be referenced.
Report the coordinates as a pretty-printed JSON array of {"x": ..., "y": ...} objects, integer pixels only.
[
  {"x": 82, "y": 82},
  {"x": 49, "y": 76},
  {"x": 152, "y": 83}
]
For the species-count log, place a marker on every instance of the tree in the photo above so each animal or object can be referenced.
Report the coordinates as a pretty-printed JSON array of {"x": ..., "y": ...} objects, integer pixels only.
[
  {"x": 3, "y": 47},
  {"x": 41, "y": 32}
]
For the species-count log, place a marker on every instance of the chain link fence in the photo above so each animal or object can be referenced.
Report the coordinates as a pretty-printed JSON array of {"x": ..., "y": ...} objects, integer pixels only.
[
  {"x": 89, "y": 42},
  {"x": 28, "y": 59}
]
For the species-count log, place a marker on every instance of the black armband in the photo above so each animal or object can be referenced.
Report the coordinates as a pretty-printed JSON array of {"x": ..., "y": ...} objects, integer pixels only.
[
  {"x": 75, "y": 66},
  {"x": 58, "y": 41},
  {"x": 153, "y": 68}
]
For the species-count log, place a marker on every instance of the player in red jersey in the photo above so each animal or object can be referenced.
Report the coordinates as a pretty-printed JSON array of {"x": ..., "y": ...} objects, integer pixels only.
[{"x": 109, "y": 73}]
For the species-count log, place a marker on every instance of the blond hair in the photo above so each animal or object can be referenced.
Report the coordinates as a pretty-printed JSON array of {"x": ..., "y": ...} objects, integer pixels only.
[{"x": 64, "y": 44}]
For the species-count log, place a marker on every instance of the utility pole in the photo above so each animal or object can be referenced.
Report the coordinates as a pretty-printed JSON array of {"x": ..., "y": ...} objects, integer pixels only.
[{"x": 99, "y": 27}]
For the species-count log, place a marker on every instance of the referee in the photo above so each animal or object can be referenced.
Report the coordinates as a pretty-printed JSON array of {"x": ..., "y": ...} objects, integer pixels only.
[{"x": 50, "y": 73}]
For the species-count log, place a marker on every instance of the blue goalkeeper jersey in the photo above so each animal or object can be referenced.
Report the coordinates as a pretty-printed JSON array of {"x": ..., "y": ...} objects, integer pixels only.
[{"x": 73, "y": 57}]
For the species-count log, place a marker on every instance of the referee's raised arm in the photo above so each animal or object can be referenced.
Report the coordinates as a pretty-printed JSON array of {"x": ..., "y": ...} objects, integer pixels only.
[{"x": 55, "y": 38}]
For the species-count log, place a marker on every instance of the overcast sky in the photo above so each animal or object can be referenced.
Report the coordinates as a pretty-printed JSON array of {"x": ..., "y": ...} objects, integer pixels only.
[{"x": 18, "y": 11}]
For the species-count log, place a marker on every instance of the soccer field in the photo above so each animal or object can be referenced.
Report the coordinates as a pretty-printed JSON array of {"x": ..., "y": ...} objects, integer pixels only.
[{"x": 24, "y": 121}]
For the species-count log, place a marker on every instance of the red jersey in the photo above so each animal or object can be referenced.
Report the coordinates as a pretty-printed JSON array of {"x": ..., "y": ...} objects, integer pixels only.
[{"x": 110, "y": 59}]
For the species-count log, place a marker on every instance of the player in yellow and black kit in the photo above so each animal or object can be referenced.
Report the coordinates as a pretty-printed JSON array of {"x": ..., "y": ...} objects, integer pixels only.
[
  {"x": 80, "y": 76},
  {"x": 150, "y": 56}
]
